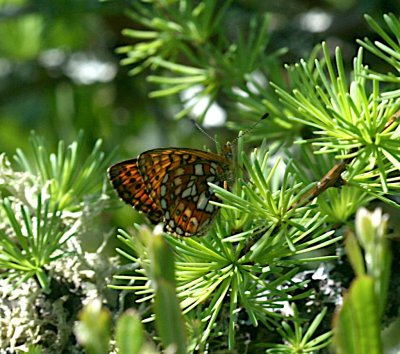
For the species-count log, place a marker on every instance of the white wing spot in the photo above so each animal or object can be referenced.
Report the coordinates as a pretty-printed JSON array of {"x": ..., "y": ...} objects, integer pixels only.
[
  {"x": 180, "y": 171},
  {"x": 210, "y": 208},
  {"x": 198, "y": 169},
  {"x": 177, "y": 191},
  {"x": 186, "y": 193},
  {"x": 163, "y": 203},
  {"x": 177, "y": 181},
  {"x": 163, "y": 190},
  {"x": 190, "y": 192},
  {"x": 213, "y": 165},
  {"x": 202, "y": 203}
]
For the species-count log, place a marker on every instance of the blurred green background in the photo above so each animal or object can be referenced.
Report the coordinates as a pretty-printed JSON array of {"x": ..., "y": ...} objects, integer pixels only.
[{"x": 59, "y": 71}]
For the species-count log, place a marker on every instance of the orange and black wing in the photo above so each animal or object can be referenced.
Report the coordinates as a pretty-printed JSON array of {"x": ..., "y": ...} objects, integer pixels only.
[
  {"x": 127, "y": 181},
  {"x": 177, "y": 181}
]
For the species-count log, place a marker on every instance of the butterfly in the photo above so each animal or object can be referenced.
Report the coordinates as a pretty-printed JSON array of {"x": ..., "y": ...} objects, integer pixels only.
[{"x": 170, "y": 185}]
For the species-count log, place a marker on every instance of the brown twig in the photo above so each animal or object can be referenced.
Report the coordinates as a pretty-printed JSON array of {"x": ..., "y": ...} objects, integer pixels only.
[
  {"x": 392, "y": 119},
  {"x": 331, "y": 179}
]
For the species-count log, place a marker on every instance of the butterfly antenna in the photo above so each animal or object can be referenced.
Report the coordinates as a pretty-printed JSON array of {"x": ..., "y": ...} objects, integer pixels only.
[
  {"x": 248, "y": 130},
  {"x": 199, "y": 127}
]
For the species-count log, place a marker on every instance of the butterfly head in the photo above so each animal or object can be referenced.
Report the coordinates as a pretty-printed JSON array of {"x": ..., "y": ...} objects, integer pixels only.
[{"x": 227, "y": 151}]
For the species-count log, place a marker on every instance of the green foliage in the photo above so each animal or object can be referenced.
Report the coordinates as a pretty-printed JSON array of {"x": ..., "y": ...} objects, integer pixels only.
[
  {"x": 357, "y": 327},
  {"x": 272, "y": 222},
  {"x": 329, "y": 146},
  {"x": 179, "y": 47},
  {"x": 35, "y": 229},
  {"x": 371, "y": 233},
  {"x": 349, "y": 122},
  {"x": 387, "y": 49},
  {"x": 34, "y": 350},
  {"x": 224, "y": 271},
  {"x": 68, "y": 177},
  {"x": 47, "y": 203},
  {"x": 129, "y": 327},
  {"x": 169, "y": 320},
  {"x": 299, "y": 340},
  {"x": 94, "y": 321},
  {"x": 29, "y": 247},
  {"x": 93, "y": 329}
]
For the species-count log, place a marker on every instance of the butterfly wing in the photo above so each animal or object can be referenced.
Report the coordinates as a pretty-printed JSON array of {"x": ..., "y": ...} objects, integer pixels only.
[
  {"x": 177, "y": 181},
  {"x": 127, "y": 181},
  {"x": 190, "y": 213}
]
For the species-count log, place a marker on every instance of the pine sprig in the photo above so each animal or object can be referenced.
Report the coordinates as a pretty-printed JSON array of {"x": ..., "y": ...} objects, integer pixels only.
[
  {"x": 68, "y": 177},
  {"x": 31, "y": 243},
  {"x": 223, "y": 270},
  {"x": 42, "y": 209},
  {"x": 191, "y": 53}
]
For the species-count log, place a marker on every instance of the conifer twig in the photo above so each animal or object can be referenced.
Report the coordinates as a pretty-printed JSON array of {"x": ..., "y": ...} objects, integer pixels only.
[{"x": 333, "y": 177}]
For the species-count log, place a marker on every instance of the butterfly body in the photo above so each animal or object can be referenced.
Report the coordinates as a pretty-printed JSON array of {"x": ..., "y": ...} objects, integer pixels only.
[{"x": 170, "y": 185}]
